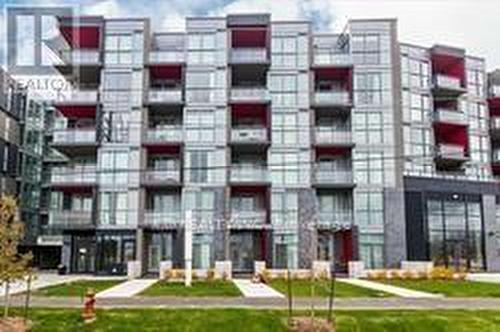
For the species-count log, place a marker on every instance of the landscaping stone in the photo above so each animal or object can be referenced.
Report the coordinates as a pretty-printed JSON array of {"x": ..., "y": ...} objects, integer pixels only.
[
  {"x": 223, "y": 270},
  {"x": 165, "y": 266},
  {"x": 356, "y": 269}
]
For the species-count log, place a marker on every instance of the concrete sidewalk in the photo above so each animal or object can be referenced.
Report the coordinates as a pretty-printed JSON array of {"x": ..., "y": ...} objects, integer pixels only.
[
  {"x": 41, "y": 281},
  {"x": 399, "y": 291},
  {"x": 256, "y": 290},
  {"x": 126, "y": 289}
]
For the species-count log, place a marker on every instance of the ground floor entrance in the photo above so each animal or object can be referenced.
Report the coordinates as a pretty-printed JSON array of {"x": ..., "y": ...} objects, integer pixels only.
[
  {"x": 159, "y": 246},
  {"x": 246, "y": 247},
  {"x": 336, "y": 246}
]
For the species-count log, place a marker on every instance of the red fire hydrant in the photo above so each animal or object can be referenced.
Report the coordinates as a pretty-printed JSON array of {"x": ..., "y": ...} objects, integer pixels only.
[{"x": 88, "y": 313}]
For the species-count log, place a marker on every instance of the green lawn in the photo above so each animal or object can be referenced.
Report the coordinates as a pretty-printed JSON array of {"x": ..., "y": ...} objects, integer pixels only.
[
  {"x": 302, "y": 288},
  {"x": 123, "y": 320},
  {"x": 198, "y": 289},
  {"x": 450, "y": 288},
  {"x": 77, "y": 288}
]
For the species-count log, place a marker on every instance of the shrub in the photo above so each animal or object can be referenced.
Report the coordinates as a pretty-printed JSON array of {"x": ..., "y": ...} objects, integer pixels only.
[
  {"x": 210, "y": 274},
  {"x": 168, "y": 274},
  {"x": 441, "y": 273},
  {"x": 265, "y": 276}
]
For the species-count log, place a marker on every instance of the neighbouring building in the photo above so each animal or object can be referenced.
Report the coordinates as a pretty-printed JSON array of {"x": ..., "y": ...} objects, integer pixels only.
[{"x": 286, "y": 145}]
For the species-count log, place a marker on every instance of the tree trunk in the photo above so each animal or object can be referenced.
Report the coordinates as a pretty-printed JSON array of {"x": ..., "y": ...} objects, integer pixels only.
[{"x": 7, "y": 300}]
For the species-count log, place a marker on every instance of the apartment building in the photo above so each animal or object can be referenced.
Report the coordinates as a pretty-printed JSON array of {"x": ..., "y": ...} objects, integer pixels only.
[{"x": 279, "y": 144}]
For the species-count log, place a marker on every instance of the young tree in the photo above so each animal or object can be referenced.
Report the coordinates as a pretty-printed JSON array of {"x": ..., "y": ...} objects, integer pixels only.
[{"x": 13, "y": 265}]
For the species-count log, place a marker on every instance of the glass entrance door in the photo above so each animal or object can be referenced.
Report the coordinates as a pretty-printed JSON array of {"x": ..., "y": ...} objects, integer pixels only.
[
  {"x": 114, "y": 251},
  {"x": 83, "y": 254},
  {"x": 245, "y": 249},
  {"x": 159, "y": 248}
]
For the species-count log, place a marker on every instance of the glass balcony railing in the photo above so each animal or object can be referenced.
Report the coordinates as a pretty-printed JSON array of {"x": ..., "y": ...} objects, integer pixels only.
[
  {"x": 332, "y": 98},
  {"x": 335, "y": 218},
  {"x": 495, "y": 157},
  {"x": 80, "y": 57},
  {"x": 332, "y": 176},
  {"x": 159, "y": 176},
  {"x": 75, "y": 136},
  {"x": 167, "y": 56},
  {"x": 450, "y": 116},
  {"x": 164, "y": 134},
  {"x": 70, "y": 218},
  {"x": 255, "y": 173},
  {"x": 77, "y": 97},
  {"x": 249, "y": 219},
  {"x": 248, "y": 55},
  {"x": 328, "y": 135},
  {"x": 159, "y": 218},
  {"x": 248, "y": 134},
  {"x": 332, "y": 59},
  {"x": 167, "y": 96},
  {"x": 259, "y": 94},
  {"x": 450, "y": 151},
  {"x": 447, "y": 82},
  {"x": 74, "y": 175}
]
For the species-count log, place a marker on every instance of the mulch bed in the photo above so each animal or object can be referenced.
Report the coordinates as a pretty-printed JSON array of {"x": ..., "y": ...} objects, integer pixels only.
[
  {"x": 14, "y": 324},
  {"x": 305, "y": 324}
]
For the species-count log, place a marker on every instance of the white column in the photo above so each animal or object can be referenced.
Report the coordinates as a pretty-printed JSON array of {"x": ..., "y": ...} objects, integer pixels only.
[{"x": 188, "y": 247}]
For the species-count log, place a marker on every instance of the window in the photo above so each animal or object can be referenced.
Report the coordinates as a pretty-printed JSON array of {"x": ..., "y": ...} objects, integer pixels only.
[
  {"x": 366, "y": 48},
  {"x": 368, "y": 88},
  {"x": 371, "y": 250},
  {"x": 200, "y": 126},
  {"x": 198, "y": 166},
  {"x": 285, "y": 128},
  {"x": 201, "y": 251},
  {"x": 285, "y": 209},
  {"x": 369, "y": 128},
  {"x": 113, "y": 208},
  {"x": 286, "y": 251},
  {"x": 201, "y": 203},
  {"x": 284, "y": 90},
  {"x": 285, "y": 168},
  {"x": 201, "y": 48},
  {"x": 118, "y": 49},
  {"x": 200, "y": 87},
  {"x": 284, "y": 52},
  {"x": 335, "y": 208},
  {"x": 369, "y": 208},
  {"x": 475, "y": 82},
  {"x": 114, "y": 168}
]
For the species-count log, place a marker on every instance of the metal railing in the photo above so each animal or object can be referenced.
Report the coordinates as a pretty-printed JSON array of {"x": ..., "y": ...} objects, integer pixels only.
[
  {"x": 74, "y": 175},
  {"x": 248, "y": 218},
  {"x": 255, "y": 173},
  {"x": 70, "y": 218},
  {"x": 248, "y": 134},
  {"x": 248, "y": 55},
  {"x": 80, "y": 57},
  {"x": 335, "y": 218},
  {"x": 165, "y": 95},
  {"x": 164, "y": 134},
  {"x": 450, "y": 151},
  {"x": 159, "y": 218},
  {"x": 331, "y": 176},
  {"x": 167, "y": 56},
  {"x": 448, "y": 82},
  {"x": 171, "y": 175},
  {"x": 332, "y": 59},
  {"x": 78, "y": 97},
  {"x": 328, "y": 135},
  {"x": 332, "y": 98},
  {"x": 75, "y": 136},
  {"x": 249, "y": 94},
  {"x": 450, "y": 116}
]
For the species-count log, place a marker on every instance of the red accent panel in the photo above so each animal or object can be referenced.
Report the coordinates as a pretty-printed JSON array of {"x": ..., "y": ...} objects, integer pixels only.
[
  {"x": 163, "y": 148},
  {"x": 249, "y": 37},
  {"x": 76, "y": 189},
  {"x": 496, "y": 169},
  {"x": 332, "y": 151},
  {"x": 239, "y": 111},
  {"x": 332, "y": 73},
  {"x": 81, "y": 37},
  {"x": 263, "y": 247},
  {"x": 494, "y": 106},
  {"x": 449, "y": 104},
  {"x": 449, "y": 65},
  {"x": 173, "y": 72},
  {"x": 347, "y": 246},
  {"x": 77, "y": 111},
  {"x": 452, "y": 134},
  {"x": 248, "y": 190}
]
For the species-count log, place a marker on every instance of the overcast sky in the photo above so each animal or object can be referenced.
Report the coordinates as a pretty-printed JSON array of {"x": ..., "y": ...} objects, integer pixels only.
[{"x": 473, "y": 24}]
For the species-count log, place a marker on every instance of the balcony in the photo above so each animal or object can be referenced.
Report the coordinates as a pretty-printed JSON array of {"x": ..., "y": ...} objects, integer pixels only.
[
  {"x": 247, "y": 55},
  {"x": 333, "y": 178},
  {"x": 329, "y": 136},
  {"x": 75, "y": 136},
  {"x": 162, "y": 177},
  {"x": 450, "y": 116},
  {"x": 165, "y": 96},
  {"x": 170, "y": 134},
  {"x": 248, "y": 219},
  {"x": 335, "y": 220},
  {"x": 451, "y": 152},
  {"x": 495, "y": 157},
  {"x": 332, "y": 60},
  {"x": 447, "y": 86},
  {"x": 249, "y": 174},
  {"x": 81, "y": 57},
  {"x": 77, "y": 97},
  {"x": 74, "y": 176},
  {"x": 70, "y": 219},
  {"x": 158, "y": 219},
  {"x": 249, "y": 95},
  {"x": 167, "y": 57},
  {"x": 249, "y": 135},
  {"x": 332, "y": 99},
  {"x": 495, "y": 127}
]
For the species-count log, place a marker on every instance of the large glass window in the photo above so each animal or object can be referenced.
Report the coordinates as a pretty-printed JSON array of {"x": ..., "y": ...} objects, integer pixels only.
[
  {"x": 114, "y": 168},
  {"x": 200, "y": 126},
  {"x": 118, "y": 49},
  {"x": 284, "y": 52},
  {"x": 371, "y": 250},
  {"x": 113, "y": 208},
  {"x": 369, "y": 167},
  {"x": 202, "y": 251},
  {"x": 284, "y": 90},
  {"x": 369, "y": 208},
  {"x": 286, "y": 251},
  {"x": 285, "y": 209},
  {"x": 366, "y": 48},
  {"x": 201, "y": 48},
  {"x": 285, "y": 128}
]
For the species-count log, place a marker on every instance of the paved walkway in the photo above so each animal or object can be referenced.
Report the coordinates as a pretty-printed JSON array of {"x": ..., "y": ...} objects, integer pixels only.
[
  {"x": 42, "y": 280},
  {"x": 126, "y": 289},
  {"x": 484, "y": 277},
  {"x": 256, "y": 290},
  {"x": 399, "y": 291}
]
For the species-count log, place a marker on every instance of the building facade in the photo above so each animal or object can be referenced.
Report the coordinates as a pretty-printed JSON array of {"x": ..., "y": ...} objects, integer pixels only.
[{"x": 275, "y": 143}]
